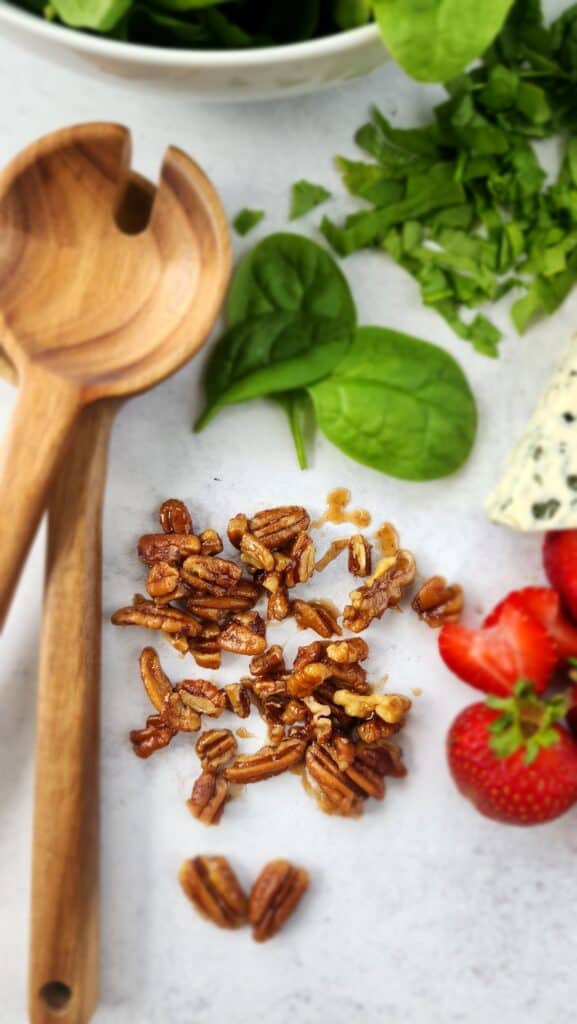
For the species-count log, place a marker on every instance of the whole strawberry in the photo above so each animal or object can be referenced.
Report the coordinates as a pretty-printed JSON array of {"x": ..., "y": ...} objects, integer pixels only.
[{"x": 512, "y": 759}]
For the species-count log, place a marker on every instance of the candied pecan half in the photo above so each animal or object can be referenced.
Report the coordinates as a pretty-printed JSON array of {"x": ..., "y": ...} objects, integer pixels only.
[
  {"x": 180, "y": 642},
  {"x": 274, "y": 896},
  {"x": 179, "y": 714},
  {"x": 322, "y": 725},
  {"x": 210, "y": 543},
  {"x": 206, "y": 653},
  {"x": 175, "y": 517},
  {"x": 383, "y": 590},
  {"x": 213, "y": 888},
  {"x": 235, "y": 529},
  {"x": 156, "y": 682},
  {"x": 211, "y": 607},
  {"x": 202, "y": 696},
  {"x": 255, "y": 553},
  {"x": 278, "y": 605},
  {"x": 245, "y": 634},
  {"x": 354, "y": 677},
  {"x": 336, "y": 792},
  {"x": 391, "y": 707},
  {"x": 208, "y": 798},
  {"x": 169, "y": 620},
  {"x": 437, "y": 603},
  {"x": 347, "y": 652},
  {"x": 310, "y": 653},
  {"x": 333, "y": 552},
  {"x": 276, "y": 527},
  {"x": 386, "y": 759},
  {"x": 375, "y": 732},
  {"x": 210, "y": 574},
  {"x": 304, "y": 681},
  {"x": 156, "y": 734},
  {"x": 167, "y": 547},
  {"x": 215, "y": 747},
  {"x": 238, "y": 697},
  {"x": 270, "y": 663},
  {"x": 315, "y": 615},
  {"x": 266, "y": 762},
  {"x": 359, "y": 555},
  {"x": 163, "y": 579},
  {"x": 302, "y": 565}
]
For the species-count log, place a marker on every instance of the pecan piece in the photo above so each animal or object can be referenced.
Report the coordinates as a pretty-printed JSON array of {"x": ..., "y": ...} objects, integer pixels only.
[
  {"x": 211, "y": 575},
  {"x": 167, "y": 547},
  {"x": 156, "y": 682},
  {"x": 315, "y": 615},
  {"x": 210, "y": 543},
  {"x": 304, "y": 681},
  {"x": 353, "y": 677},
  {"x": 359, "y": 555},
  {"x": 263, "y": 689},
  {"x": 276, "y": 527},
  {"x": 391, "y": 707},
  {"x": 215, "y": 747},
  {"x": 278, "y": 605},
  {"x": 235, "y": 529},
  {"x": 175, "y": 517},
  {"x": 179, "y": 641},
  {"x": 336, "y": 793},
  {"x": 206, "y": 653},
  {"x": 383, "y": 590},
  {"x": 333, "y": 552},
  {"x": 274, "y": 896},
  {"x": 266, "y": 762},
  {"x": 347, "y": 652},
  {"x": 255, "y": 553},
  {"x": 245, "y": 634},
  {"x": 238, "y": 697},
  {"x": 213, "y": 608},
  {"x": 386, "y": 759},
  {"x": 310, "y": 653},
  {"x": 202, "y": 696},
  {"x": 156, "y": 734},
  {"x": 436, "y": 603},
  {"x": 208, "y": 798},
  {"x": 302, "y": 555},
  {"x": 213, "y": 888},
  {"x": 375, "y": 732},
  {"x": 169, "y": 620},
  {"x": 270, "y": 663},
  {"x": 179, "y": 714},
  {"x": 162, "y": 580},
  {"x": 322, "y": 725}
]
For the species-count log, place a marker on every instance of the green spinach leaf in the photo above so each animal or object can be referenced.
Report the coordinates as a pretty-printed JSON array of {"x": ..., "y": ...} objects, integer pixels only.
[
  {"x": 98, "y": 15},
  {"x": 305, "y": 196},
  {"x": 246, "y": 220}
]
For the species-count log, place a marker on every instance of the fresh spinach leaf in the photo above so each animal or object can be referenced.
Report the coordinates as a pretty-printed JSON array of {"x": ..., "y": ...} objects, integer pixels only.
[
  {"x": 399, "y": 405},
  {"x": 246, "y": 220},
  {"x": 305, "y": 196},
  {"x": 289, "y": 273},
  {"x": 98, "y": 15},
  {"x": 352, "y": 13}
]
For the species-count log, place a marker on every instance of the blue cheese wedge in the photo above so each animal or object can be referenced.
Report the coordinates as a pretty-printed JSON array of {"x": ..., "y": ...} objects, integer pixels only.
[{"x": 539, "y": 488}]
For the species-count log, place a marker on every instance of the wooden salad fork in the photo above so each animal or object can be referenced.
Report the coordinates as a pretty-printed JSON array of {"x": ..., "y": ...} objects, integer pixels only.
[{"x": 64, "y": 952}]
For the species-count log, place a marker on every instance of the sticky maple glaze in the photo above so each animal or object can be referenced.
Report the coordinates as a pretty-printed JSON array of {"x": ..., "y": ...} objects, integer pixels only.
[
  {"x": 244, "y": 734},
  {"x": 337, "y": 510},
  {"x": 387, "y": 539}
]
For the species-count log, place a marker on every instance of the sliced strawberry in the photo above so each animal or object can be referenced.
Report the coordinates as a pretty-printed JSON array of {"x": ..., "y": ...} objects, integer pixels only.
[
  {"x": 560, "y": 562},
  {"x": 492, "y": 659},
  {"x": 572, "y": 713},
  {"x": 544, "y": 605}
]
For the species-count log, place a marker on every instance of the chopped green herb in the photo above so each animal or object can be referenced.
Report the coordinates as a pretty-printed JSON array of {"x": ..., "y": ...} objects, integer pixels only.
[
  {"x": 246, "y": 220},
  {"x": 305, "y": 196}
]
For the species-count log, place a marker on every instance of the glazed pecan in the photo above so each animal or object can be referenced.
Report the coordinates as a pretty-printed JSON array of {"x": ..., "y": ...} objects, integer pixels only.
[
  {"x": 304, "y": 681},
  {"x": 271, "y": 663},
  {"x": 302, "y": 565},
  {"x": 206, "y": 650},
  {"x": 211, "y": 607},
  {"x": 278, "y": 605},
  {"x": 322, "y": 725},
  {"x": 296, "y": 710},
  {"x": 315, "y": 615},
  {"x": 156, "y": 734},
  {"x": 213, "y": 888},
  {"x": 276, "y": 527},
  {"x": 336, "y": 792},
  {"x": 359, "y": 555},
  {"x": 210, "y": 543},
  {"x": 276, "y": 733},
  {"x": 148, "y": 614},
  {"x": 238, "y": 697},
  {"x": 167, "y": 547},
  {"x": 156, "y": 682},
  {"x": 265, "y": 688},
  {"x": 202, "y": 696},
  {"x": 215, "y": 747},
  {"x": 162, "y": 581},
  {"x": 245, "y": 634},
  {"x": 175, "y": 517},
  {"x": 375, "y": 732},
  {"x": 347, "y": 652},
  {"x": 383, "y": 590},
  {"x": 266, "y": 762},
  {"x": 353, "y": 677},
  {"x": 386, "y": 759},
  {"x": 274, "y": 896},
  {"x": 179, "y": 714},
  {"x": 210, "y": 574},
  {"x": 310, "y": 653},
  {"x": 333, "y": 552},
  {"x": 208, "y": 798},
  {"x": 235, "y": 529},
  {"x": 180, "y": 642},
  {"x": 391, "y": 707},
  {"x": 255, "y": 553},
  {"x": 436, "y": 603}
]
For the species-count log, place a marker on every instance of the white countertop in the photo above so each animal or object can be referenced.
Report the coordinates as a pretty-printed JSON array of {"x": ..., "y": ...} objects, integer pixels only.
[{"x": 422, "y": 912}]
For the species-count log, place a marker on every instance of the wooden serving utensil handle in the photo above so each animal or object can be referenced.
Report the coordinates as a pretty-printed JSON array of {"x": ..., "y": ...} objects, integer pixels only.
[
  {"x": 64, "y": 951},
  {"x": 37, "y": 434}
]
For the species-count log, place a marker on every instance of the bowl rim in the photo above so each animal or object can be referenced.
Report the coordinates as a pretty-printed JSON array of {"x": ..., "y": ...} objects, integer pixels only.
[{"x": 310, "y": 49}]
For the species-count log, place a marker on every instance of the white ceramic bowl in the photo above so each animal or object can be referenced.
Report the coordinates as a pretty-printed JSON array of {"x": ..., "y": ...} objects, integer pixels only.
[{"x": 211, "y": 74}]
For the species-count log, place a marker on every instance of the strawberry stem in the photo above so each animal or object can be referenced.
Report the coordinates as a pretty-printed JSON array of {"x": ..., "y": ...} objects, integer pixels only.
[{"x": 527, "y": 721}]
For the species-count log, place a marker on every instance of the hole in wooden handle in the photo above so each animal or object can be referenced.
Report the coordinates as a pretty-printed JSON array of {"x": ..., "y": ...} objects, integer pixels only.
[{"x": 55, "y": 995}]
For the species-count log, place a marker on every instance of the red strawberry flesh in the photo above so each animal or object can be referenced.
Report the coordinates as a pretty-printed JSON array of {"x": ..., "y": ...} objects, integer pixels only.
[{"x": 544, "y": 604}]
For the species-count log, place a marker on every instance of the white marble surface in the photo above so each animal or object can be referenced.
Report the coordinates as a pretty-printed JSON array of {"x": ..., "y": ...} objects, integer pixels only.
[{"x": 421, "y": 913}]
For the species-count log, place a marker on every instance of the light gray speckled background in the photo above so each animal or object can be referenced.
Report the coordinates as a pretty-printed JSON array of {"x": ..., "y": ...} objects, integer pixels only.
[{"x": 421, "y": 913}]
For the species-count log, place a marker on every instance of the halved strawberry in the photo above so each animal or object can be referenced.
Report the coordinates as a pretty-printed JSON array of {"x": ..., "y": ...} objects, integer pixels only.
[
  {"x": 544, "y": 604},
  {"x": 560, "y": 563},
  {"x": 493, "y": 658}
]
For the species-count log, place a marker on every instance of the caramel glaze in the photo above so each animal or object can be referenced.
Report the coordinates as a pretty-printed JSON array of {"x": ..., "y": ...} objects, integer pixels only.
[{"x": 337, "y": 510}]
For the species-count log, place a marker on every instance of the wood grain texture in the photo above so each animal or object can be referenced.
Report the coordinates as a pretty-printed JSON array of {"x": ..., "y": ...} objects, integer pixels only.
[{"x": 89, "y": 308}]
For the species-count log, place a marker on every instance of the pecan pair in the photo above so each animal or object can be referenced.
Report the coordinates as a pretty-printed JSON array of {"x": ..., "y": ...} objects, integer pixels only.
[{"x": 437, "y": 603}]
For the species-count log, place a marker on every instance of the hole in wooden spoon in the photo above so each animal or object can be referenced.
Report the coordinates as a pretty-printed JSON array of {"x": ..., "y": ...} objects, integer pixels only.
[
  {"x": 135, "y": 207},
  {"x": 55, "y": 995}
]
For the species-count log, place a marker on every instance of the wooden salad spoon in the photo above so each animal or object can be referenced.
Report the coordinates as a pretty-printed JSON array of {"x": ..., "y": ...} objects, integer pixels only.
[{"x": 89, "y": 310}]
